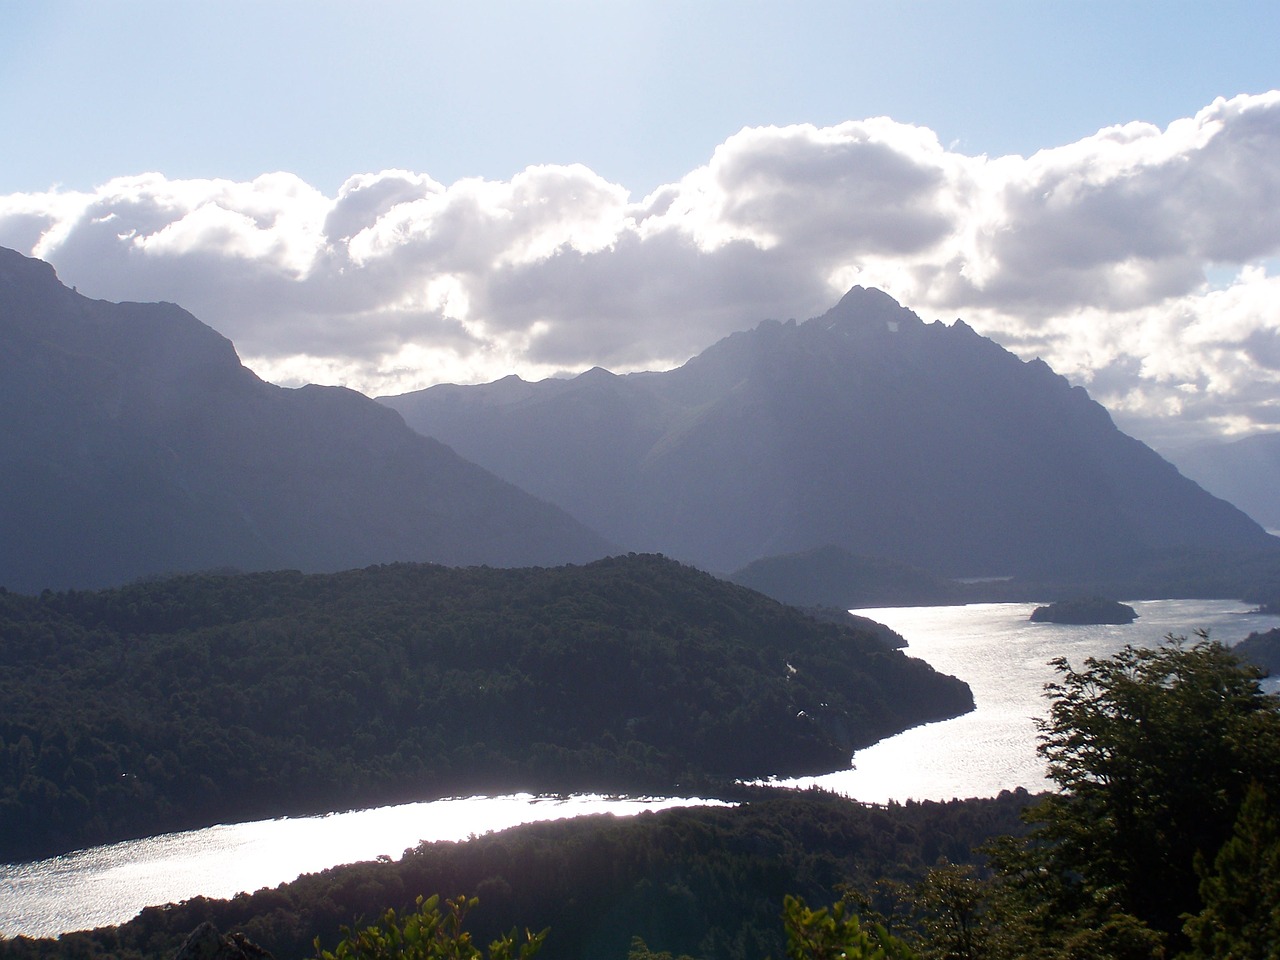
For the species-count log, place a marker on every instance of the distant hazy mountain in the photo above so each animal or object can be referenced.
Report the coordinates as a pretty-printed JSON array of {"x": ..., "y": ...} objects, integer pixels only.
[
  {"x": 864, "y": 428},
  {"x": 134, "y": 442},
  {"x": 1246, "y": 472}
]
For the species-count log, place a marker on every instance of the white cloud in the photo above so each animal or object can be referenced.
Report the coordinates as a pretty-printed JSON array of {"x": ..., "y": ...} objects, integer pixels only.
[
  {"x": 1094, "y": 255},
  {"x": 856, "y": 188}
]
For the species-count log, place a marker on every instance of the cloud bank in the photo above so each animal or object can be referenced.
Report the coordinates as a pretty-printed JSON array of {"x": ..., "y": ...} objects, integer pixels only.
[{"x": 1143, "y": 263}]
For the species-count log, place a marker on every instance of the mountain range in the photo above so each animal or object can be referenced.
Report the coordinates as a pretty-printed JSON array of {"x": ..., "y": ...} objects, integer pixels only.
[
  {"x": 864, "y": 428},
  {"x": 135, "y": 443}
]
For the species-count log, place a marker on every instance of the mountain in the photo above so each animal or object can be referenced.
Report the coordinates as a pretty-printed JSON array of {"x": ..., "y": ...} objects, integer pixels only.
[
  {"x": 831, "y": 576},
  {"x": 864, "y": 428},
  {"x": 134, "y": 443},
  {"x": 1245, "y": 471}
]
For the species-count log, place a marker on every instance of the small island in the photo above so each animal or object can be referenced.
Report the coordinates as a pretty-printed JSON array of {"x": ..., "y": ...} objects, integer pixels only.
[{"x": 1085, "y": 610}]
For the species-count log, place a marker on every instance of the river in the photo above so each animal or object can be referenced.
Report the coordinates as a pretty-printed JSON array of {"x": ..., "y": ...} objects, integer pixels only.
[
  {"x": 110, "y": 884},
  {"x": 993, "y": 647}
]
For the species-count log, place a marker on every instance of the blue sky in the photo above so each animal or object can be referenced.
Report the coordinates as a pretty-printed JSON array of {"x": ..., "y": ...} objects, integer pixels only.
[
  {"x": 639, "y": 92},
  {"x": 392, "y": 194}
]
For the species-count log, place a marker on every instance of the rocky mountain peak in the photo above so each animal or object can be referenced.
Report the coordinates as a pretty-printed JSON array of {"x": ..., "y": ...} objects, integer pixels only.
[
  {"x": 868, "y": 310},
  {"x": 865, "y": 427}
]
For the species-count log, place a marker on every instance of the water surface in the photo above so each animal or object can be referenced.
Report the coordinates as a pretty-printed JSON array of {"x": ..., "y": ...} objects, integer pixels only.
[
  {"x": 1005, "y": 660},
  {"x": 110, "y": 884}
]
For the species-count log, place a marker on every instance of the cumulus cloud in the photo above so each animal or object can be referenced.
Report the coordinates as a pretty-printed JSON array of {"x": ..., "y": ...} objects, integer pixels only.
[{"x": 1141, "y": 262}]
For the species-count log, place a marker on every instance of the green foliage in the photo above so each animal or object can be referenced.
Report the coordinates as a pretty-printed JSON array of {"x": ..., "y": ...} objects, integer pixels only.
[
  {"x": 836, "y": 933},
  {"x": 193, "y": 700},
  {"x": 1154, "y": 752},
  {"x": 950, "y": 911},
  {"x": 1241, "y": 913},
  {"x": 640, "y": 951},
  {"x": 1160, "y": 756},
  {"x": 428, "y": 933}
]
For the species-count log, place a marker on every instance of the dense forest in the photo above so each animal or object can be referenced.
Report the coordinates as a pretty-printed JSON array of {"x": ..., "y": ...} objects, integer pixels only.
[
  {"x": 1261, "y": 649},
  {"x": 187, "y": 701}
]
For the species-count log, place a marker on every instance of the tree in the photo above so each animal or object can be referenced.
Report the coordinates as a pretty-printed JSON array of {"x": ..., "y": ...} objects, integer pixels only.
[
  {"x": 950, "y": 909},
  {"x": 640, "y": 951},
  {"x": 1241, "y": 915},
  {"x": 836, "y": 933},
  {"x": 1153, "y": 751},
  {"x": 429, "y": 933}
]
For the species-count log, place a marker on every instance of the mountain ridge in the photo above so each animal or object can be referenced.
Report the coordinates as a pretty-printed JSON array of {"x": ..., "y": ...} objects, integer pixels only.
[
  {"x": 135, "y": 443},
  {"x": 866, "y": 428}
]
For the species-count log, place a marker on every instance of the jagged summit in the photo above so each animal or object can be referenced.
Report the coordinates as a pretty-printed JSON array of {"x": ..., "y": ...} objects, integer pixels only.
[
  {"x": 867, "y": 309},
  {"x": 865, "y": 428}
]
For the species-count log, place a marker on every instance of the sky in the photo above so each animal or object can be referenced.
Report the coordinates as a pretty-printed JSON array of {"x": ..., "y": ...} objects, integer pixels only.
[{"x": 390, "y": 195}]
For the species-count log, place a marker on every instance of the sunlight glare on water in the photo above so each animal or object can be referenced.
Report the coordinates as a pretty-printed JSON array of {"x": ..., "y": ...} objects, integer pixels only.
[
  {"x": 1005, "y": 660},
  {"x": 110, "y": 884}
]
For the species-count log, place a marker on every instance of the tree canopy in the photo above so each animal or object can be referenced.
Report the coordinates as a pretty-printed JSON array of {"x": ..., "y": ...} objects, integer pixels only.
[
  {"x": 1164, "y": 760},
  {"x": 201, "y": 699},
  {"x": 1153, "y": 751}
]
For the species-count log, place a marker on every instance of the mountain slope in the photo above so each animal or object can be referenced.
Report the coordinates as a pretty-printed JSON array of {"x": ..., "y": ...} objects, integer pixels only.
[
  {"x": 134, "y": 443},
  {"x": 830, "y": 576},
  {"x": 1245, "y": 471},
  {"x": 864, "y": 428}
]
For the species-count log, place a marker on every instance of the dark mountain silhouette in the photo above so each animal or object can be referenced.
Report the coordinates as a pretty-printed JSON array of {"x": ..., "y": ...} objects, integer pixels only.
[
  {"x": 832, "y": 576},
  {"x": 864, "y": 428},
  {"x": 1245, "y": 471},
  {"x": 134, "y": 442}
]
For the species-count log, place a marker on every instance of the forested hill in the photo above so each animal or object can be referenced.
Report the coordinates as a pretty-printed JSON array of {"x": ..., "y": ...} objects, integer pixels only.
[{"x": 198, "y": 699}]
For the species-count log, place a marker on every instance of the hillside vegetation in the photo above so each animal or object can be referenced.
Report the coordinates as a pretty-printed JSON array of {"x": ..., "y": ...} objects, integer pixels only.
[{"x": 198, "y": 699}]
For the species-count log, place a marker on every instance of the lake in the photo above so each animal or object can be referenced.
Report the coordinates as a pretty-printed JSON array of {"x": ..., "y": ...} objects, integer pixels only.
[
  {"x": 993, "y": 647},
  {"x": 1005, "y": 660}
]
